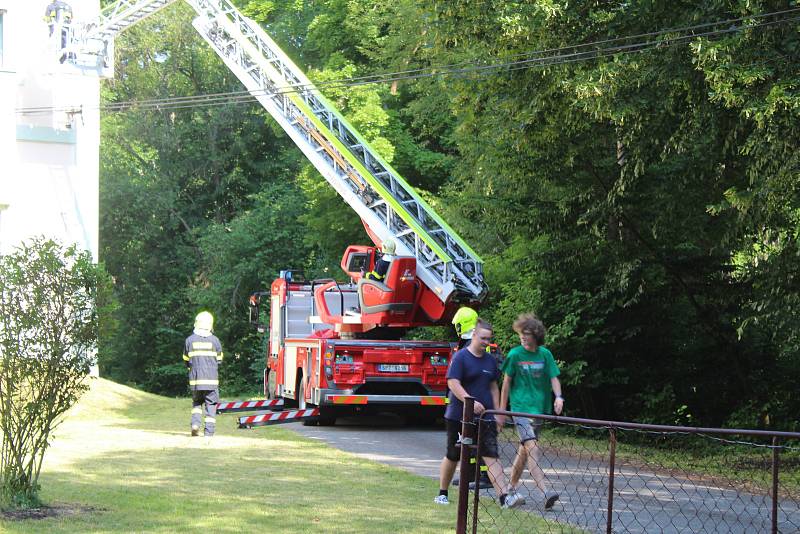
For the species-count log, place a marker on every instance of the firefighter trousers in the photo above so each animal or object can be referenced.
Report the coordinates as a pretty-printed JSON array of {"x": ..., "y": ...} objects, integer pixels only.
[{"x": 204, "y": 409}]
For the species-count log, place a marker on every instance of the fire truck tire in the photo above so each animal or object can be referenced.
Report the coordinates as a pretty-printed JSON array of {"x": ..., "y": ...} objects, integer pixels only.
[{"x": 326, "y": 421}]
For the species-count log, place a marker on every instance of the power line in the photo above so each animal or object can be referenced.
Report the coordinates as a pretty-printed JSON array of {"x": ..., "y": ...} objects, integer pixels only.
[
  {"x": 539, "y": 58},
  {"x": 529, "y": 61}
]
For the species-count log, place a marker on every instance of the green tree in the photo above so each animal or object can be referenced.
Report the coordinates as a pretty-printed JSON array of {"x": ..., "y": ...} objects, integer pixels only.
[
  {"x": 168, "y": 178},
  {"x": 603, "y": 199},
  {"x": 48, "y": 339}
]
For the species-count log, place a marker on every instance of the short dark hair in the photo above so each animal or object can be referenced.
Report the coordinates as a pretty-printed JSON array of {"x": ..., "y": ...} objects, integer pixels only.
[
  {"x": 486, "y": 325},
  {"x": 528, "y": 323}
]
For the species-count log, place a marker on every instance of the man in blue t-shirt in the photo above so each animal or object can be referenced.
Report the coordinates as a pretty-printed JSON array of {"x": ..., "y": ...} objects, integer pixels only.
[{"x": 473, "y": 372}]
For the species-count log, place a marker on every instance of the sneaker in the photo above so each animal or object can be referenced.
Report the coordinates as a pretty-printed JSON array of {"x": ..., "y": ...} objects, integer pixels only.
[
  {"x": 513, "y": 500},
  {"x": 550, "y": 499},
  {"x": 441, "y": 499},
  {"x": 195, "y": 431}
]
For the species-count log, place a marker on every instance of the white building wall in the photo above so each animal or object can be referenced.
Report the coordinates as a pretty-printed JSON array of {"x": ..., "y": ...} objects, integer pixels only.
[{"x": 49, "y": 156}]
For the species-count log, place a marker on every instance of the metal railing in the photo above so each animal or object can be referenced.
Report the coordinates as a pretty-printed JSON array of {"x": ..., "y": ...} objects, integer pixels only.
[{"x": 615, "y": 476}]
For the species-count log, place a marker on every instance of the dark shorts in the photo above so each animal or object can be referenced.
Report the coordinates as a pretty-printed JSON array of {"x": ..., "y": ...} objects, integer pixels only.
[{"x": 488, "y": 439}]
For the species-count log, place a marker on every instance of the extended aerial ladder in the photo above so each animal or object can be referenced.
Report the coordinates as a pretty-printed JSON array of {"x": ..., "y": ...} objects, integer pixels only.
[{"x": 388, "y": 206}]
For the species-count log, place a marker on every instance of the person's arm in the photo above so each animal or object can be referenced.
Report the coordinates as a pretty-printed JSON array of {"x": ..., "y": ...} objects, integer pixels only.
[
  {"x": 495, "y": 390},
  {"x": 458, "y": 390},
  {"x": 501, "y": 419},
  {"x": 558, "y": 405},
  {"x": 186, "y": 359}
]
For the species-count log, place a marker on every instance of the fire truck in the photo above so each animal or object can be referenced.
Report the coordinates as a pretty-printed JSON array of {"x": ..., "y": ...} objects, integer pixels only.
[
  {"x": 338, "y": 348},
  {"x": 334, "y": 347}
]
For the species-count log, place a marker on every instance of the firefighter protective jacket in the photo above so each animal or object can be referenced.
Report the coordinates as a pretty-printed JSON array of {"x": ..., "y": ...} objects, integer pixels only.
[
  {"x": 202, "y": 355},
  {"x": 58, "y": 11}
]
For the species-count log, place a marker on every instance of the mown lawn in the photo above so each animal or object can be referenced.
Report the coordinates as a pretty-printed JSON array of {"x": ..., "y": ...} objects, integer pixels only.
[{"x": 123, "y": 462}]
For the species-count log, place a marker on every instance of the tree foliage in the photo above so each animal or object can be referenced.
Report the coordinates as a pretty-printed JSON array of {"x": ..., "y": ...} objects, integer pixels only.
[
  {"x": 48, "y": 336},
  {"x": 644, "y": 204}
]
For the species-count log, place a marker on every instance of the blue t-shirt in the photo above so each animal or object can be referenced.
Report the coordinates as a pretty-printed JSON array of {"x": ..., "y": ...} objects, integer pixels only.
[{"x": 476, "y": 376}]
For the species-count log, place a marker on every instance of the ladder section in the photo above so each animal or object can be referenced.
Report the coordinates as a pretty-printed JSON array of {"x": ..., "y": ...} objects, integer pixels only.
[
  {"x": 385, "y": 202},
  {"x": 93, "y": 44},
  {"x": 123, "y": 14}
]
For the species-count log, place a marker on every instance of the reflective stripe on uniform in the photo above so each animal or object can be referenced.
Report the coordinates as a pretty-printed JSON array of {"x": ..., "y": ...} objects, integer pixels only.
[
  {"x": 203, "y": 382},
  {"x": 210, "y": 420},
  {"x": 194, "y": 353},
  {"x": 197, "y": 410},
  {"x": 186, "y": 358},
  {"x": 219, "y": 356},
  {"x": 376, "y": 276},
  {"x": 202, "y": 345}
]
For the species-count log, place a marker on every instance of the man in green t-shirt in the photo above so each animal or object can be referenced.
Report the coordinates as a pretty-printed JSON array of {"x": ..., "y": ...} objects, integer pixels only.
[{"x": 530, "y": 374}]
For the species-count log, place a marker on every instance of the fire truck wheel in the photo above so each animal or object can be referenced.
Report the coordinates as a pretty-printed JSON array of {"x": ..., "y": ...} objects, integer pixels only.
[{"x": 326, "y": 421}]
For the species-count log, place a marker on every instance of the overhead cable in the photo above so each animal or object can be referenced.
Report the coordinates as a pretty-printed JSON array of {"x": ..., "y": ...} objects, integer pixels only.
[{"x": 533, "y": 59}]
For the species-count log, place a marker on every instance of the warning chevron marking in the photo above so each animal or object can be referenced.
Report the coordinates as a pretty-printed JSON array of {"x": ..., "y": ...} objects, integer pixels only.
[
  {"x": 244, "y": 406},
  {"x": 273, "y": 418}
]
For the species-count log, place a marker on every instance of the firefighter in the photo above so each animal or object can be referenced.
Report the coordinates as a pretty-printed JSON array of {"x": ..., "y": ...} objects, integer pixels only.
[
  {"x": 388, "y": 248},
  {"x": 58, "y": 14},
  {"x": 202, "y": 354}
]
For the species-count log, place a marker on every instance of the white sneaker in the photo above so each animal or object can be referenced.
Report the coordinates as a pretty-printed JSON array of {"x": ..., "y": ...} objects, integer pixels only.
[
  {"x": 441, "y": 499},
  {"x": 513, "y": 500}
]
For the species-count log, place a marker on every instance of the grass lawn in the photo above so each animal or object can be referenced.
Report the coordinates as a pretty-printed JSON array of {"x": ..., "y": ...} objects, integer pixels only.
[{"x": 123, "y": 461}]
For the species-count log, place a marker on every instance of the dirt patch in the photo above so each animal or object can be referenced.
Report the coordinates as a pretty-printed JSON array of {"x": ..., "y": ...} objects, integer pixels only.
[{"x": 44, "y": 512}]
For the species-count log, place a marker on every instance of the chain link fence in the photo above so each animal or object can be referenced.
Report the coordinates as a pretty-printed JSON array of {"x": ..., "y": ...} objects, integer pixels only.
[{"x": 627, "y": 477}]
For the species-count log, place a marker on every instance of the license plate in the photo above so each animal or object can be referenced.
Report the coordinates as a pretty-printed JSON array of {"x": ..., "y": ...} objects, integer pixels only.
[{"x": 392, "y": 367}]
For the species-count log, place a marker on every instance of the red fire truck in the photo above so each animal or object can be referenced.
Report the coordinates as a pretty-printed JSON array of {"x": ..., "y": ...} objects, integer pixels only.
[
  {"x": 337, "y": 349},
  {"x": 332, "y": 346}
]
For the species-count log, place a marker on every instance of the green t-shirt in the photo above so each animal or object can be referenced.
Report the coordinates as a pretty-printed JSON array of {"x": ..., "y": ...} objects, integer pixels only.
[{"x": 530, "y": 372}]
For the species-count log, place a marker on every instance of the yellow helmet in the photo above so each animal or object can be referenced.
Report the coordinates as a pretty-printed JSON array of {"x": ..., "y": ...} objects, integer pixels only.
[
  {"x": 388, "y": 246},
  {"x": 204, "y": 321},
  {"x": 465, "y": 321}
]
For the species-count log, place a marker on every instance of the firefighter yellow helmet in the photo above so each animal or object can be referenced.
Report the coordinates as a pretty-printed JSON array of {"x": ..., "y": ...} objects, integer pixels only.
[
  {"x": 204, "y": 321},
  {"x": 388, "y": 246},
  {"x": 465, "y": 321}
]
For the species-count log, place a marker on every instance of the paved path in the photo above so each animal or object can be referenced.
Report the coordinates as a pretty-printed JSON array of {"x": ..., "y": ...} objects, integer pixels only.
[{"x": 644, "y": 501}]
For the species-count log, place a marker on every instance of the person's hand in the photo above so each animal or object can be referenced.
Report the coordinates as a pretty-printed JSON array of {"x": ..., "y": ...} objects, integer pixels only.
[
  {"x": 558, "y": 405},
  {"x": 500, "y": 420},
  {"x": 479, "y": 408}
]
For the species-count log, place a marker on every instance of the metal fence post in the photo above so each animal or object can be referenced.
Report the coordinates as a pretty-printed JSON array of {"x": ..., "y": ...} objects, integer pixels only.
[
  {"x": 467, "y": 439},
  {"x": 774, "y": 485},
  {"x": 612, "y": 460}
]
